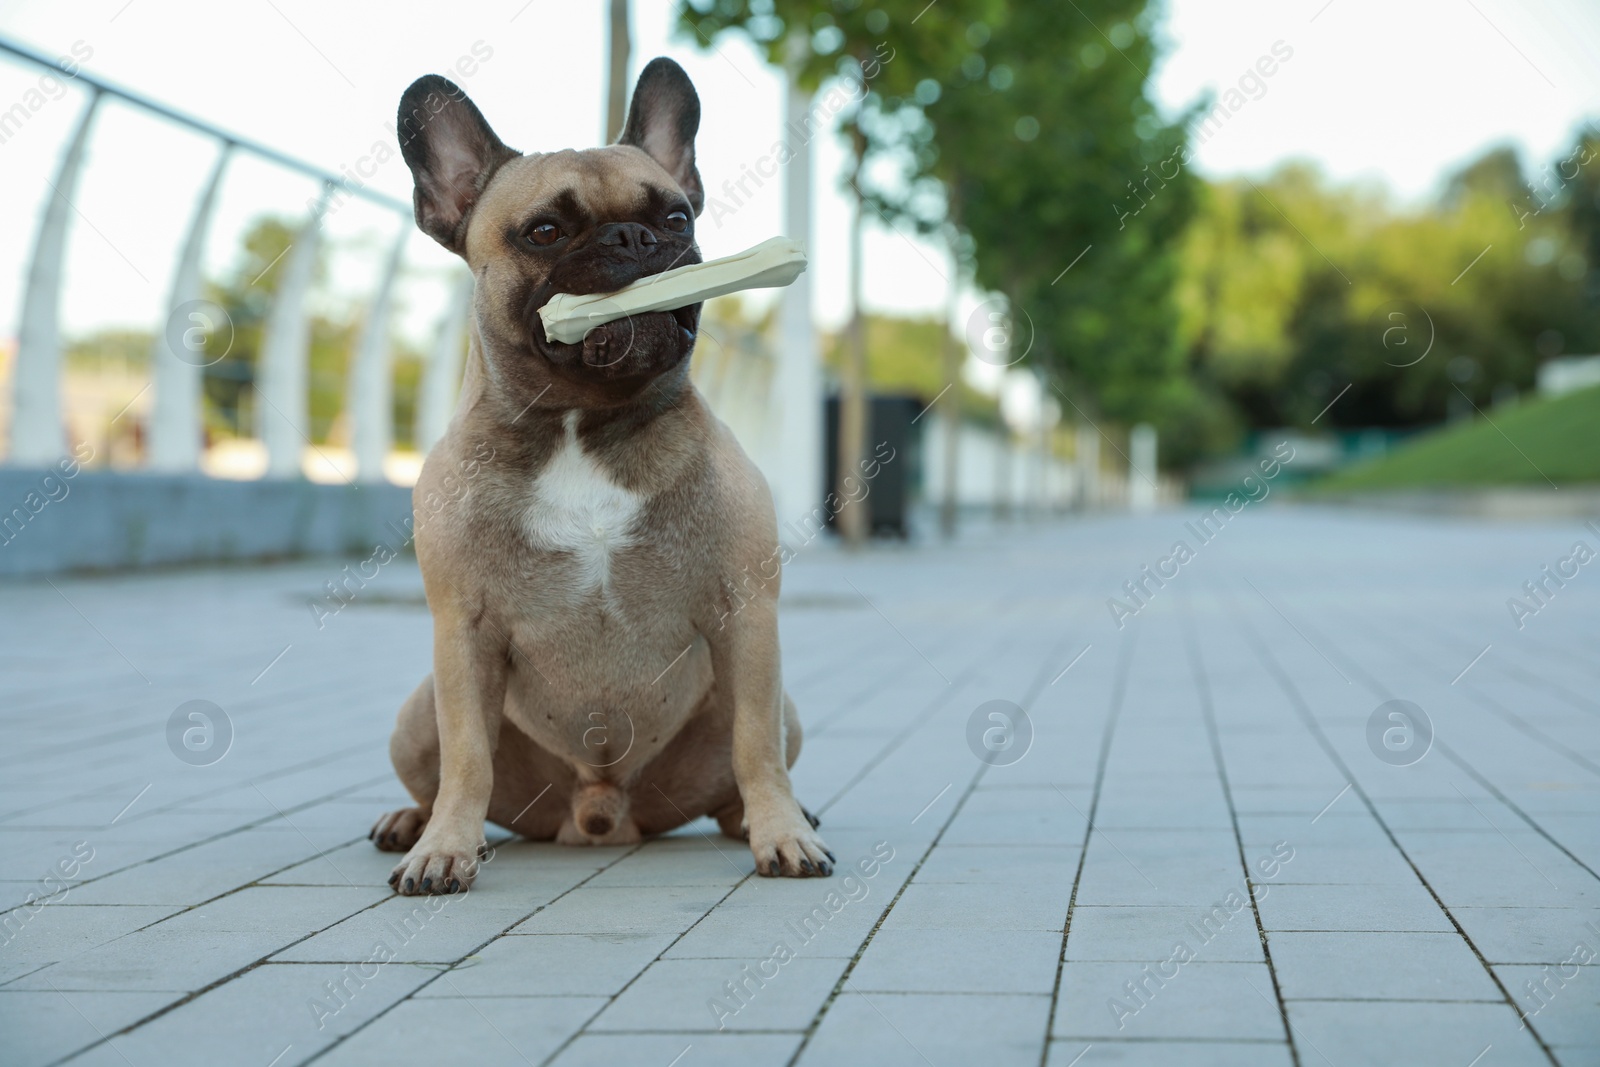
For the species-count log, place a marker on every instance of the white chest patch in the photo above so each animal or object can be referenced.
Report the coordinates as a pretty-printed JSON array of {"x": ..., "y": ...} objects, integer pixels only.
[{"x": 577, "y": 508}]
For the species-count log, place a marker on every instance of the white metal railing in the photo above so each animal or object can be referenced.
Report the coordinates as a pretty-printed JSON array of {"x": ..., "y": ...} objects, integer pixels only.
[
  {"x": 777, "y": 405},
  {"x": 38, "y": 432}
]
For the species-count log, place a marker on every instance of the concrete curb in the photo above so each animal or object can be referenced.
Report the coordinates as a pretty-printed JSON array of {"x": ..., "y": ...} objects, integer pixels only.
[
  {"x": 1502, "y": 504},
  {"x": 52, "y": 523}
]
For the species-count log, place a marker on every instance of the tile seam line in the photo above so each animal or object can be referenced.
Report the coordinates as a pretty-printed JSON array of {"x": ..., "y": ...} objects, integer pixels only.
[
  {"x": 933, "y": 707},
  {"x": 446, "y": 969},
  {"x": 1461, "y": 762},
  {"x": 196, "y": 993},
  {"x": 1303, "y": 710},
  {"x": 614, "y": 997},
  {"x": 882, "y": 681},
  {"x": 1214, "y": 737},
  {"x": 1517, "y": 722},
  {"x": 1107, "y": 733},
  {"x": 961, "y": 802},
  {"x": 97, "y": 740},
  {"x": 257, "y": 824}
]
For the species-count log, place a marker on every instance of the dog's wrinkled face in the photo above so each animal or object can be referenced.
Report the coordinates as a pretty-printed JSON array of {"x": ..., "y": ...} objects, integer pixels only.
[{"x": 578, "y": 222}]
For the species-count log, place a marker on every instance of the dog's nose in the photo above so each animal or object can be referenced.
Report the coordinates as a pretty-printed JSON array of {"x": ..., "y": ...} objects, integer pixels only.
[{"x": 632, "y": 236}]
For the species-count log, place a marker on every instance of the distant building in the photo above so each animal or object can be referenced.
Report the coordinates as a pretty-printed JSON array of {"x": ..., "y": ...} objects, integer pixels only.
[{"x": 1568, "y": 374}]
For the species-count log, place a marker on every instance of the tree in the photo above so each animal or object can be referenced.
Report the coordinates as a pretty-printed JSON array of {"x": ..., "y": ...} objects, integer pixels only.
[
  {"x": 617, "y": 70},
  {"x": 876, "y": 63},
  {"x": 1395, "y": 316}
]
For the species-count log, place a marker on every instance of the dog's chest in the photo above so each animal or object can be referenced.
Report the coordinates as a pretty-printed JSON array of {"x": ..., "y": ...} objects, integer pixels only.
[{"x": 576, "y": 508}]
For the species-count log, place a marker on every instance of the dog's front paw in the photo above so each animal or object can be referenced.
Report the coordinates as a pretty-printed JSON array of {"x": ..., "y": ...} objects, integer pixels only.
[
  {"x": 397, "y": 831},
  {"x": 438, "y": 866},
  {"x": 789, "y": 846}
]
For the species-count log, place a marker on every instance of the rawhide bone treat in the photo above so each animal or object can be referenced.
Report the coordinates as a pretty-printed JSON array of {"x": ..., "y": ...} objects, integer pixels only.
[{"x": 769, "y": 265}]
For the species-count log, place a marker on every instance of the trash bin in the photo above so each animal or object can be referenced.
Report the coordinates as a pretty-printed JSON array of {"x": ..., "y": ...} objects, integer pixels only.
[{"x": 896, "y": 447}]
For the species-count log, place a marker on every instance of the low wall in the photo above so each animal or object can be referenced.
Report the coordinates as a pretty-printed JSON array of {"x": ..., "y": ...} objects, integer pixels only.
[{"x": 105, "y": 520}]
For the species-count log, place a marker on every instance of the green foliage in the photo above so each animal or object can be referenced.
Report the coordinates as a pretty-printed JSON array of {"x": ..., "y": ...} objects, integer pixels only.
[
  {"x": 1019, "y": 131},
  {"x": 246, "y": 293},
  {"x": 1024, "y": 133},
  {"x": 903, "y": 357},
  {"x": 1292, "y": 288},
  {"x": 110, "y": 350},
  {"x": 1522, "y": 444}
]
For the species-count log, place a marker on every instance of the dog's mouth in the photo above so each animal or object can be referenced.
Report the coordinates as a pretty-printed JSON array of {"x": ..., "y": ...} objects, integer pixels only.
[
  {"x": 636, "y": 346},
  {"x": 625, "y": 353}
]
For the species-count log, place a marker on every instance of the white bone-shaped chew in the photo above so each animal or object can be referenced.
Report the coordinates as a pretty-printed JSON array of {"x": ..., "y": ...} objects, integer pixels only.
[{"x": 769, "y": 265}]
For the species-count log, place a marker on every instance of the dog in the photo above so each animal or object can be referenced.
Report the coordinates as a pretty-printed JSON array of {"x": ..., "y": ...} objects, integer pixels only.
[{"x": 600, "y": 672}]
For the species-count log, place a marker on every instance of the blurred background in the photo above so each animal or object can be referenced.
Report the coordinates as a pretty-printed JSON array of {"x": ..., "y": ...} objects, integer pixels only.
[{"x": 1065, "y": 257}]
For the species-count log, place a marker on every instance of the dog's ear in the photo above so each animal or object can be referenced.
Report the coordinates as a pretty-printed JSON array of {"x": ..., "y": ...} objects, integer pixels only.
[
  {"x": 662, "y": 120},
  {"x": 452, "y": 154}
]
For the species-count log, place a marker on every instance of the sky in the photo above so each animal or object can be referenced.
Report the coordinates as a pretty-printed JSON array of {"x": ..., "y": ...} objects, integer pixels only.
[{"x": 1397, "y": 93}]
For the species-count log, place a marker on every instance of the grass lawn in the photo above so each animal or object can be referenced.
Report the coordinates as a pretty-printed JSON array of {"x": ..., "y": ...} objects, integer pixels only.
[{"x": 1534, "y": 443}]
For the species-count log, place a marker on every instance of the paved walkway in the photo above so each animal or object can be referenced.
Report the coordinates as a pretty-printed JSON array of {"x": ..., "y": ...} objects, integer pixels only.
[{"x": 1087, "y": 903}]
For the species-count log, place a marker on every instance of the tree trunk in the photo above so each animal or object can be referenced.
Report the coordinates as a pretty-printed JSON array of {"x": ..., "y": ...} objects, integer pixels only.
[
  {"x": 951, "y": 404},
  {"x": 617, "y": 87},
  {"x": 853, "y": 516}
]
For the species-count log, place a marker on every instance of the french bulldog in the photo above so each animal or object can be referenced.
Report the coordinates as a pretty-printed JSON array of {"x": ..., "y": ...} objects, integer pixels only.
[{"x": 604, "y": 668}]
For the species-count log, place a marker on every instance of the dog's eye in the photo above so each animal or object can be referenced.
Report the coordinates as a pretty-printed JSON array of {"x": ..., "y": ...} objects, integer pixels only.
[
  {"x": 544, "y": 234},
  {"x": 677, "y": 222}
]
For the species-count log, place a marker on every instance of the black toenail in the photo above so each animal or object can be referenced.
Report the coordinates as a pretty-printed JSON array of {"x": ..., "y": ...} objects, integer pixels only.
[
  {"x": 411, "y": 885},
  {"x": 805, "y": 865},
  {"x": 427, "y": 884},
  {"x": 831, "y": 856},
  {"x": 454, "y": 885}
]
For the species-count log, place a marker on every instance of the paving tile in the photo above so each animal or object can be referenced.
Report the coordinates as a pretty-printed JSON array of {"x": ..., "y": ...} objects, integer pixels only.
[
  {"x": 43, "y": 1027},
  {"x": 1378, "y": 966},
  {"x": 702, "y": 1050},
  {"x": 262, "y": 1013},
  {"x": 1019, "y": 817},
  {"x": 1222, "y": 1001},
  {"x": 60, "y": 931},
  {"x": 1043, "y": 865},
  {"x": 436, "y": 929},
  {"x": 1198, "y": 805},
  {"x": 750, "y": 931},
  {"x": 1149, "y": 933},
  {"x": 1168, "y": 1053},
  {"x": 499, "y": 1031},
  {"x": 959, "y": 961},
  {"x": 202, "y": 872},
  {"x": 712, "y": 861},
  {"x": 1404, "y": 1034},
  {"x": 957, "y": 906},
  {"x": 196, "y": 947},
  {"x": 915, "y": 1030},
  {"x": 1528, "y": 871},
  {"x": 1350, "y": 907},
  {"x": 1324, "y": 862},
  {"x": 1131, "y": 867},
  {"x": 1530, "y": 935},
  {"x": 692, "y": 995},
  {"x": 1561, "y": 1001},
  {"x": 357, "y": 863},
  {"x": 551, "y": 965},
  {"x": 626, "y": 909}
]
